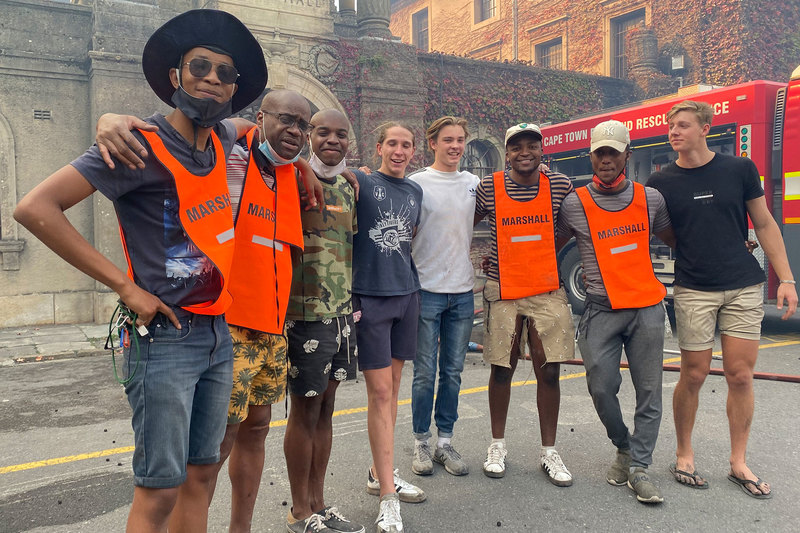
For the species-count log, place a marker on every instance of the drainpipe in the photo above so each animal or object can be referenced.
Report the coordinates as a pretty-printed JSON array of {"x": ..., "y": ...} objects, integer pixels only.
[{"x": 515, "y": 38}]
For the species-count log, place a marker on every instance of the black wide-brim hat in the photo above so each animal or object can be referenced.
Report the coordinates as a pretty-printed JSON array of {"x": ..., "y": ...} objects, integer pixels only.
[{"x": 209, "y": 28}]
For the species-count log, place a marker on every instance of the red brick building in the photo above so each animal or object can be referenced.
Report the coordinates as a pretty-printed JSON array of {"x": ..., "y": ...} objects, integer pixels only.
[{"x": 681, "y": 41}]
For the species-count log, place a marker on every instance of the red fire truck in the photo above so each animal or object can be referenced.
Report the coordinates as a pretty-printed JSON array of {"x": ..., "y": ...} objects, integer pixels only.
[{"x": 759, "y": 120}]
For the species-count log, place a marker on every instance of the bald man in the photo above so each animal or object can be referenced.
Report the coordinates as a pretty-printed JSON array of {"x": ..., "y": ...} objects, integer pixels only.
[{"x": 322, "y": 342}]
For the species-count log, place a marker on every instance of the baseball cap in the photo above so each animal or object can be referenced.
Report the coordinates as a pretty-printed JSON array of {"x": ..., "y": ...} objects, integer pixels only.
[
  {"x": 611, "y": 133},
  {"x": 522, "y": 127}
]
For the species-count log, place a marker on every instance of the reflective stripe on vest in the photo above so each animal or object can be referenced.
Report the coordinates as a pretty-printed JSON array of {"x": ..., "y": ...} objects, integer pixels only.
[
  {"x": 526, "y": 249},
  {"x": 204, "y": 208},
  {"x": 267, "y": 223},
  {"x": 621, "y": 241}
]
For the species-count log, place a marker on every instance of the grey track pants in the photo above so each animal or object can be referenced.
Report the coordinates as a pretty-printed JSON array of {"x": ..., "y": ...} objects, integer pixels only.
[{"x": 602, "y": 332}]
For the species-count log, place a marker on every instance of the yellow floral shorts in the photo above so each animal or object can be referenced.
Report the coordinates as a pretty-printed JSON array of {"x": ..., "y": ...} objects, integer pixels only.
[{"x": 259, "y": 371}]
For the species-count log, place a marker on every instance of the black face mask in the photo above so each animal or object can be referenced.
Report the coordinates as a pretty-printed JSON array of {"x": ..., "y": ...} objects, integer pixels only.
[{"x": 203, "y": 112}]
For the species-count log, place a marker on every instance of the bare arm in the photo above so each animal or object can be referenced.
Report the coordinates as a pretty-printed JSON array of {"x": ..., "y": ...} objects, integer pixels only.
[
  {"x": 667, "y": 236},
  {"x": 113, "y": 138},
  {"x": 769, "y": 235},
  {"x": 42, "y": 212},
  {"x": 242, "y": 126},
  {"x": 311, "y": 184},
  {"x": 477, "y": 218},
  {"x": 561, "y": 241}
]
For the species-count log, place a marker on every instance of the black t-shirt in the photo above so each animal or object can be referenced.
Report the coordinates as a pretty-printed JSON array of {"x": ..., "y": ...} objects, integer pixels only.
[
  {"x": 165, "y": 261},
  {"x": 708, "y": 209}
]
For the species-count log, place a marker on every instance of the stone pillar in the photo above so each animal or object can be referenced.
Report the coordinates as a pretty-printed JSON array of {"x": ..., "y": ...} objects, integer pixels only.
[
  {"x": 347, "y": 6},
  {"x": 642, "y": 51},
  {"x": 373, "y": 18}
]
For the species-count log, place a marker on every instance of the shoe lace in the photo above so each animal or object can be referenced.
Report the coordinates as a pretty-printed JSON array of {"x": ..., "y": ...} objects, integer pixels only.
[
  {"x": 333, "y": 512},
  {"x": 424, "y": 452},
  {"x": 554, "y": 463},
  {"x": 451, "y": 452},
  {"x": 315, "y": 523},
  {"x": 495, "y": 454},
  {"x": 402, "y": 483},
  {"x": 390, "y": 512}
]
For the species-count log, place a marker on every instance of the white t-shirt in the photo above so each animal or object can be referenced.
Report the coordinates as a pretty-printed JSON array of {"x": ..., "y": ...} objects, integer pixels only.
[{"x": 441, "y": 246}]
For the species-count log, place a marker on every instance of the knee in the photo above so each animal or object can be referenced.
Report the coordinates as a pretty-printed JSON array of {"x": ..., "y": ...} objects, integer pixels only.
[
  {"x": 381, "y": 393},
  {"x": 694, "y": 377},
  {"x": 326, "y": 409},
  {"x": 548, "y": 374},
  {"x": 502, "y": 375},
  {"x": 256, "y": 428},
  {"x": 739, "y": 378}
]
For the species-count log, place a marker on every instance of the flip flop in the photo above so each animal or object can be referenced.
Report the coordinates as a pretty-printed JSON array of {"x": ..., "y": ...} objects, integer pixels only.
[
  {"x": 743, "y": 483},
  {"x": 677, "y": 473}
]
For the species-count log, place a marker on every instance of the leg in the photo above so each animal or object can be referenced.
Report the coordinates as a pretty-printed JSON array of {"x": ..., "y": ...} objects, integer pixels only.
[
  {"x": 695, "y": 366},
  {"x": 432, "y": 307},
  {"x": 548, "y": 391},
  {"x": 246, "y": 465},
  {"x": 191, "y": 507},
  {"x": 500, "y": 387},
  {"x": 455, "y": 331},
  {"x": 298, "y": 447},
  {"x": 380, "y": 424},
  {"x": 323, "y": 441},
  {"x": 231, "y": 430},
  {"x": 151, "y": 509},
  {"x": 739, "y": 360},
  {"x": 644, "y": 345},
  {"x": 600, "y": 343}
]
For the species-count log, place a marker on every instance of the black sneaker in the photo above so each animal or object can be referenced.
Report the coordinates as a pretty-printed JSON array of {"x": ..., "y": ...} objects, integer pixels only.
[{"x": 337, "y": 523}]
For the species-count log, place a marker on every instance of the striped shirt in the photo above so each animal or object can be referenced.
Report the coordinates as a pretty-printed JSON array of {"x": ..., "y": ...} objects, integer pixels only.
[
  {"x": 560, "y": 186},
  {"x": 236, "y": 167}
]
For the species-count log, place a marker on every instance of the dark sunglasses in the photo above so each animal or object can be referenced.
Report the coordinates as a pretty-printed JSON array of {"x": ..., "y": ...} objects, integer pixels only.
[
  {"x": 289, "y": 121},
  {"x": 200, "y": 67}
]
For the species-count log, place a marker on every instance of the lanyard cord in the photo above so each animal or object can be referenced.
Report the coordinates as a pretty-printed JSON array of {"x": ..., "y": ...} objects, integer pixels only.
[{"x": 120, "y": 318}]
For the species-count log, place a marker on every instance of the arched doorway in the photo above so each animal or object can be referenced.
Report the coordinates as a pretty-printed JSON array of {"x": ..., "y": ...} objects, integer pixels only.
[{"x": 480, "y": 157}]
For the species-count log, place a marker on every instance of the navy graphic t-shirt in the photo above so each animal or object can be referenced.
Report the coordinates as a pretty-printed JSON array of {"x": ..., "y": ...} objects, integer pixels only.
[
  {"x": 165, "y": 261},
  {"x": 388, "y": 210}
]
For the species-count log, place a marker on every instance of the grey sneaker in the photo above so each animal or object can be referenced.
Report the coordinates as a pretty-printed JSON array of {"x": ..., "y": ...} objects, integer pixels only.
[
  {"x": 557, "y": 473},
  {"x": 389, "y": 520},
  {"x": 495, "y": 465},
  {"x": 617, "y": 474},
  {"x": 405, "y": 491},
  {"x": 451, "y": 460},
  {"x": 422, "y": 465},
  {"x": 640, "y": 483},
  {"x": 337, "y": 523},
  {"x": 312, "y": 524}
]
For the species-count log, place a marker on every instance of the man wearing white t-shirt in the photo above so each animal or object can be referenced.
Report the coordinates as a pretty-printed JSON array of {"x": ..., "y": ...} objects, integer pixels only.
[{"x": 441, "y": 253}]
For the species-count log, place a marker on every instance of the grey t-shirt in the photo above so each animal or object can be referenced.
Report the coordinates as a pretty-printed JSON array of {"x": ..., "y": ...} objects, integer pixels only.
[
  {"x": 572, "y": 222},
  {"x": 388, "y": 211},
  {"x": 165, "y": 261}
]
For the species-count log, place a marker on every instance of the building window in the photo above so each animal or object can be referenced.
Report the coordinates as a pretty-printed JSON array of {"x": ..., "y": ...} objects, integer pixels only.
[
  {"x": 480, "y": 158},
  {"x": 419, "y": 28},
  {"x": 619, "y": 41},
  {"x": 548, "y": 55},
  {"x": 485, "y": 9}
]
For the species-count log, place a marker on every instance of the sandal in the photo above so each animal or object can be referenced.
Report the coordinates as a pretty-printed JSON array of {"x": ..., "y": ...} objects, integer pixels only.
[
  {"x": 744, "y": 483},
  {"x": 681, "y": 477}
]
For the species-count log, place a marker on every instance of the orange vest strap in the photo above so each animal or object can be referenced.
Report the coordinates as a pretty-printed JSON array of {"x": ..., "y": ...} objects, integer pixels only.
[
  {"x": 621, "y": 241},
  {"x": 526, "y": 250}
]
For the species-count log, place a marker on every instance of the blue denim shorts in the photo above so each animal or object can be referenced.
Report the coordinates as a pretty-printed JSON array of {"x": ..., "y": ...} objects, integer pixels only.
[{"x": 179, "y": 396}]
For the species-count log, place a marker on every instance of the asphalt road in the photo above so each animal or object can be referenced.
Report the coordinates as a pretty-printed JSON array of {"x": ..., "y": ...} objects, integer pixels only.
[{"x": 65, "y": 452}]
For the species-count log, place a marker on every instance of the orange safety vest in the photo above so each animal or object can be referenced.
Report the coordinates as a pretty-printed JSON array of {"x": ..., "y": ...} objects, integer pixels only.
[
  {"x": 268, "y": 221},
  {"x": 621, "y": 241},
  {"x": 204, "y": 209},
  {"x": 526, "y": 241}
]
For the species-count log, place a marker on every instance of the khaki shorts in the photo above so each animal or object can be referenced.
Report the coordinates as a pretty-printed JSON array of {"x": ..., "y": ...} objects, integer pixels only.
[
  {"x": 739, "y": 313},
  {"x": 549, "y": 314},
  {"x": 259, "y": 371}
]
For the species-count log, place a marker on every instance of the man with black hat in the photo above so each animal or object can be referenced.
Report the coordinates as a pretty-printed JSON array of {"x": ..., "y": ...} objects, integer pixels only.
[
  {"x": 612, "y": 219},
  {"x": 522, "y": 207},
  {"x": 177, "y": 227}
]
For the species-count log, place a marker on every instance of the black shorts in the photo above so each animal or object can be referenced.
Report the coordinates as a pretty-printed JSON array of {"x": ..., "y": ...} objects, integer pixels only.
[
  {"x": 320, "y": 351},
  {"x": 387, "y": 329}
]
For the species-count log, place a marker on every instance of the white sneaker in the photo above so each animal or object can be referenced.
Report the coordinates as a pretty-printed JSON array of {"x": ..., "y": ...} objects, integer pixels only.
[
  {"x": 422, "y": 464},
  {"x": 405, "y": 491},
  {"x": 389, "y": 520},
  {"x": 557, "y": 473},
  {"x": 495, "y": 465}
]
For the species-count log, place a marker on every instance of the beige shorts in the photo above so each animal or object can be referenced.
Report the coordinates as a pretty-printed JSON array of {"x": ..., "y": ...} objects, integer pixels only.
[
  {"x": 739, "y": 313},
  {"x": 548, "y": 313}
]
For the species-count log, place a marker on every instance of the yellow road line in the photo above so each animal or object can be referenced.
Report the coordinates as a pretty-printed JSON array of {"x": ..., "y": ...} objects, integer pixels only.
[{"x": 281, "y": 423}]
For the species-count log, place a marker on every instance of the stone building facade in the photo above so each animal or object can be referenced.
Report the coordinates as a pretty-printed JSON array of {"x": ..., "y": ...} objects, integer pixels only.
[
  {"x": 718, "y": 42},
  {"x": 64, "y": 64}
]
